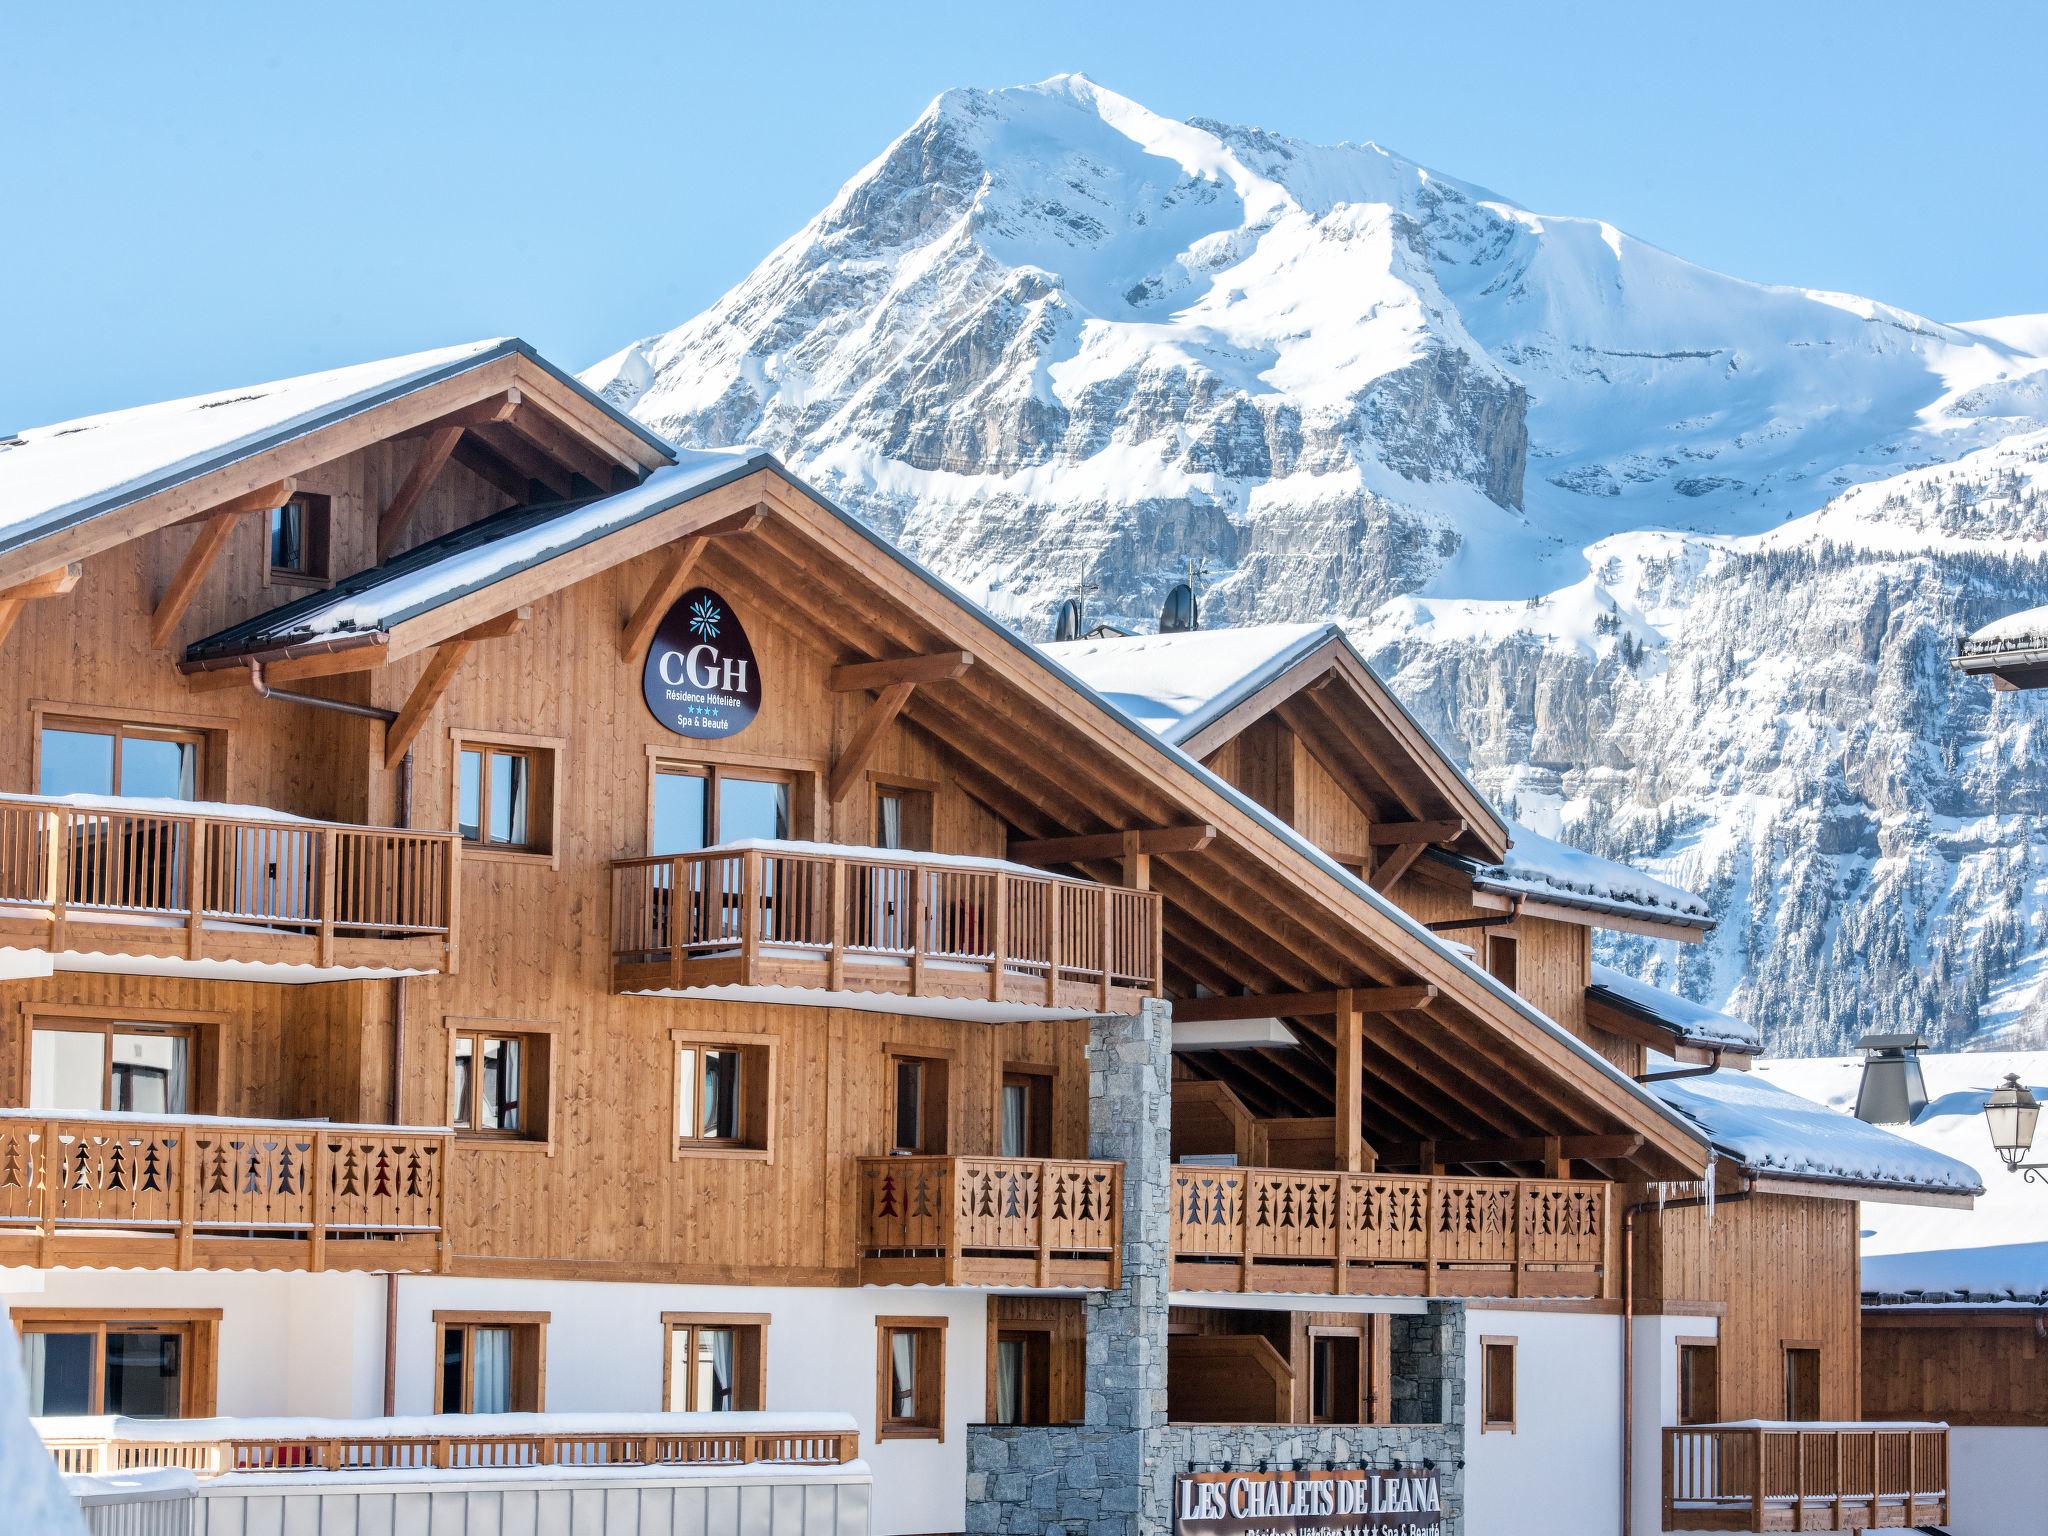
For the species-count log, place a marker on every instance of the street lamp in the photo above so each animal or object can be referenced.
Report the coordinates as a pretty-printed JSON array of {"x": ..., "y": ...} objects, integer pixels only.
[{"x": 2012, "y": 1112}]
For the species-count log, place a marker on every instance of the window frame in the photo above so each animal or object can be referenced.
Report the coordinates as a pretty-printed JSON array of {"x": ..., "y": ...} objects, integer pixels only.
[
  {"x": 529, "y": 1363},
  {"x": 757, "y": 1139},
  {"x": 928, "y": 1385},
  {"x": 1686, "y": 1347},
  {"x": 1787, "y": 1348},
  {"x": 1491, "y": 1348},
  {"x": 202, "y": 1070},
  {"x": 935, "y": 1093},
  {"x": 920, "y": 831},
  {"x": 750, "y": 1357},
  {"x": 1041, "y": 1119},
  {"x": 106, "y": 1029},
  {"x": 121, "y": 731},
  {"x": 212, "y": 778},
  {"x": 544, "y": 755},
  {"x": 537, "y": 1068},
  {"x": 714, "y": 771},
  {"x": 1361, "y": 1371},
  {"x": 316, "y": 540},
  {"x": 198, "y": 1326}
]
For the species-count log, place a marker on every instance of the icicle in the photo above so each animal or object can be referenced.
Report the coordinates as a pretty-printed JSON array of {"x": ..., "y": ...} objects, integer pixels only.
[
  {"x": 1660, "y": 1197},
  {"x": 1707, "y": 1195}
]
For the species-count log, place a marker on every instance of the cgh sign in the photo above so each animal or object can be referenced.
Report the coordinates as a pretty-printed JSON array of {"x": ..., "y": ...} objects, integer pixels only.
[
  {"x": 1400, "y": 1501},
  {"x": 701, "y": 679}
]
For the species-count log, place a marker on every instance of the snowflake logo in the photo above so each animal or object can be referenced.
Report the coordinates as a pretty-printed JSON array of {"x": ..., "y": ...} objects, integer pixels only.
[{"x": 705, "y": 618}]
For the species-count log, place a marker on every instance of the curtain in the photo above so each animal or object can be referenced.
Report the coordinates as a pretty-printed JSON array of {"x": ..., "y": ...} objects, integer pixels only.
[
  {"x": 1016, "y": 1113},
  {"x": 903, "y": 1374},
  {"x": 490, "y": 1370},
  {"x": 1009, "y": 1381},
  {"x": 716, "y": 1348}
]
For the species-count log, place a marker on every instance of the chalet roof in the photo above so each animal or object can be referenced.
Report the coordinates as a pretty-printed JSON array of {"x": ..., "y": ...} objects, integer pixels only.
[
  {"x": 1995, "y": 1253},
  {"x": 1684, "y": 1021},
  {"x": 1546, "y": 870},
  {"x": 2023, "y": 631},
  {"x": 431, "y": 575},
  {"x": 57, "y": 476},
  {"x": 1774, "y": 1133}
]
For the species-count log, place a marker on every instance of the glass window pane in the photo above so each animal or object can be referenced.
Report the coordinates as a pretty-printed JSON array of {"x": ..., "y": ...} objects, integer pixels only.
[
  {"x": 678, "y": 812},
  {"x": 490, "y": 1370},
  {"x": 721, "y": 1095},
  {"x": 59, "y": 1368},
  {"x": 150, "y": 1075},
  {"x": 508, "y": 798},
  {"x": 902, "y": 1374},
  {"x": 888, "y": 820},
  {"x": 76, "y": 763},
  {"x": 453, "y": 1352},
  {"x": 469, "y": 794},
  {"x": 67, "y": 1069},
  {"x": 1016, "y": 1131},
  {"x": 287, "y": 537},
  {"x": 144, "y": 1375},
  {"x": 167, "y": 770},
  {"x": 909, "y": 1106},
  {"x": 1009, "y": 1381},
  {"x": 465, "y": 1066},
  {"x": 686, "y": 1094},
  {"x": 713, "y": 1389},
  {"x": 752, "y": 808},
  {"x": 500, "y": 1107}
]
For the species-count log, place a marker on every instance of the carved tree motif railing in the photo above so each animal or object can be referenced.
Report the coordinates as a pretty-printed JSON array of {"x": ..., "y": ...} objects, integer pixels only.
[
  {"x": 1791, "y": 1477},
  {"x": 1281, "y": 1226},
  {"x": 221, "y": 876},
  {"x": 192, "y": 1178},
  {"x": 953, "y": 1211},
  {"x": 917, "y": 927}
]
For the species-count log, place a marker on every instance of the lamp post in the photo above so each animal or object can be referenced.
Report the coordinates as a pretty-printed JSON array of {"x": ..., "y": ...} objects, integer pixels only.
[{"x": 2012, "y": 1112}]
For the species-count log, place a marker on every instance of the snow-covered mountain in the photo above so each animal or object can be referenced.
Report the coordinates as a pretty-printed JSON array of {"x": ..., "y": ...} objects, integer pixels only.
[{"x": 1674, "y": 560}]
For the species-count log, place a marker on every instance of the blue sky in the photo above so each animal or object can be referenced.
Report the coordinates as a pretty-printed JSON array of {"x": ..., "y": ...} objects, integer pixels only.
[{"x": 206, "y": 195}]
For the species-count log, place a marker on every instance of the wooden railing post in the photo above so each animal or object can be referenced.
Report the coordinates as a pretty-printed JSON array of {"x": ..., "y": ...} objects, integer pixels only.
[
  {"x": 919, "y": 894},
  {"x": 46, "y": 1204},
  {"x": 835, "y": 953},
  {"x": 753, "y": 911},
  {"x": 1756, "y": 1492},
  {"x": 316, "y": 1255},
  {"x": 56, "y": 871},
  {"x": 327, "y": 890},
  {"x": 949, "y": 1169},
  {"x": 1108, "y": 899},
  {"x": 1432, "y": 1215},
  {"x": 1837, "y": 1437},
  {"x": 999, "y": 938},
  {"x": 1515, "y": 1273},
  {"x": 1044, "y": 1174},
  {"x": 678, "y": 914},
  {"x": 195, "y": 892},
  {"x": 188, "y": 1198},
  {"x": 1052, "y": 943}
]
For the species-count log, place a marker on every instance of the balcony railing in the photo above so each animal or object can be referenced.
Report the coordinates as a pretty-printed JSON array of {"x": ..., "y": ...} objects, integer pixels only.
[
  {"x": 990, "y": 1221},
  {"x": 966, "y": 933},
  {"x": 207, "y": 884},
  {"x": 1805, "y": 1477},
  {"x": 213, "y": 1448},
  {"x": 1367, "y": 1234},
  {"x": 180, "y": 1192}
]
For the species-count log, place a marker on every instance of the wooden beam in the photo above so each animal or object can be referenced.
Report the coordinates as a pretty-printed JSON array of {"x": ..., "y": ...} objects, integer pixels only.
[
  {"x": 1303, "y": 1005},
  {"x": 1352, "y": 1154},
  {"x": 426, "y": 693},
  {"x": 526, "y": 456},
  {"x": 425, "y": 470},
  {"x": 487, "y": 464},
  {"x": 510, "y": 622},
  {"x": 1113, "y": 845},
  {"x": 867, "y": 736},
  {"x": 206, "y": 547},
  {"x": 262, "y": 499},
  {"x": 50, "y": 584},
  {"x": 940, "y": 667},
  {"x": 1395, "y": 865},
  {"x": 1391, "y": 834},
  {"x": 673, "y": 576},
  {"x": 482, "y": 413}
]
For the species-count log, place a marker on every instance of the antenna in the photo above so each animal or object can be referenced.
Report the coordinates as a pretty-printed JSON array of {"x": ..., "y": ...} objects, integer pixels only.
[{"x": 1183, "y": 610}]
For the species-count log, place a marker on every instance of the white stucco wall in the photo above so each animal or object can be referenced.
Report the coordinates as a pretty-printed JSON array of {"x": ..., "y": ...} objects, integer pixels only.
[
  {"x": 314, "y": 1344},
  {"x": 1559, "y": 1472},
  {"x": 1998, "y": 1482}
]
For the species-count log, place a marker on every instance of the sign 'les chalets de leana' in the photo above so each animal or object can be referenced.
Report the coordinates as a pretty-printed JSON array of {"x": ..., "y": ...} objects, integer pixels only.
[
  {"x": 701, "y": 679},
  {"x": 1403, "y": 1501}
]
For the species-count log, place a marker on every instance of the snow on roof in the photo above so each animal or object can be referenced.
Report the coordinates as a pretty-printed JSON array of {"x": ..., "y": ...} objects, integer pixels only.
[
  {"x": 461, "y": 562},
  {"x": 1998, "y": 1249},
  {"x": 1175, "y": 684},
  {"x": 1694, "y": 1023},
  {"x": 1548, "y": 870},
  {"x": 421, "y": 1425},
  {"x": 56, "y": 475},
  {"x": 2023, "y": 631},
  {"x": 1771, "y": 1130}
]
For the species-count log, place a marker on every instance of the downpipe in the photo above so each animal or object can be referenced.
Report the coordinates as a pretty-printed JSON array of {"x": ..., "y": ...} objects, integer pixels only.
[{"x": 314, "y": 700}]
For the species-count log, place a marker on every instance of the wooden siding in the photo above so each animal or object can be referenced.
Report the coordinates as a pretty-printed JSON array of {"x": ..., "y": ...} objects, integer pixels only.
[
  {"x": 1064, "y": 1321},
  {"x": 1958, "y": 1365},
  {"x": 1780, "y": 1270}
]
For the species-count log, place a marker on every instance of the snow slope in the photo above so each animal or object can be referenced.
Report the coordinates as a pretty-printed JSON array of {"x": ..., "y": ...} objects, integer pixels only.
[{"x": 1643, "y": 542}]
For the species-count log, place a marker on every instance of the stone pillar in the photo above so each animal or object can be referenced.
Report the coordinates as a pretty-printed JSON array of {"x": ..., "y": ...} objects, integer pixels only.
[{"x": 1428, "y": 1364}]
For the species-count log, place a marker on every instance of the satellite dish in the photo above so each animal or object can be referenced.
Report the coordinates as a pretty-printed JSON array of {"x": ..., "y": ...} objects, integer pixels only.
[
  {"x": 1068, "y": 625},
  {"x": 1179, "y": 614}
]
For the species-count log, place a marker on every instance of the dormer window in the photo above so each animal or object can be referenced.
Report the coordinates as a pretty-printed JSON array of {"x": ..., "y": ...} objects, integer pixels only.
[{"x": 299, "y": 540}]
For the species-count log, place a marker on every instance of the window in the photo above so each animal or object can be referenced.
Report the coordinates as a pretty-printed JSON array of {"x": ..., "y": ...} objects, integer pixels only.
[
  {"x": 88, "y": 757},
  {"x": 299, "y": 539},
  {"x": 911, "y": 1375},
  {"x": 1699, "y": 1382},
  {"x": 1022, "y": 1390},
  {"x": 144, "y": 1366},
  {"x": 1802, "y": 1382},
  {"x": 1497, "y": 1385},
  {"x": 918, "y": 1108},
  {"x": 491, "y": 1362},
  {"x": 1334, "y": 1376},
  {"x": 724, "y": 1094},
  {"x": 1500, "y": 959},
  {"x": 903, "y": 816},
  {"x": 1026, "y": 1129},
  {"x": 505, "y": 794},
  {"x": 701, "y": 807},
  {"x": 715, "y": 1363},
  {"x": 138, "y": 1068},
  {"x": 498, "y": 1082}
]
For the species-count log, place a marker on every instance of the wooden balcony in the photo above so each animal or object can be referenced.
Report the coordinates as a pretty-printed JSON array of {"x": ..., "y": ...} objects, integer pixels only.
[
  {"x": 1366, "y": 1234},
  {"x": 446, "y": 1442},
  {"x": 197, "y": 1192},
  {"x": 1015, "y": 1221},
  {"x": 207, "y": 885},
  {"x": 972, "y": 939},
  {"x": 1805, "y": 1477}
]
